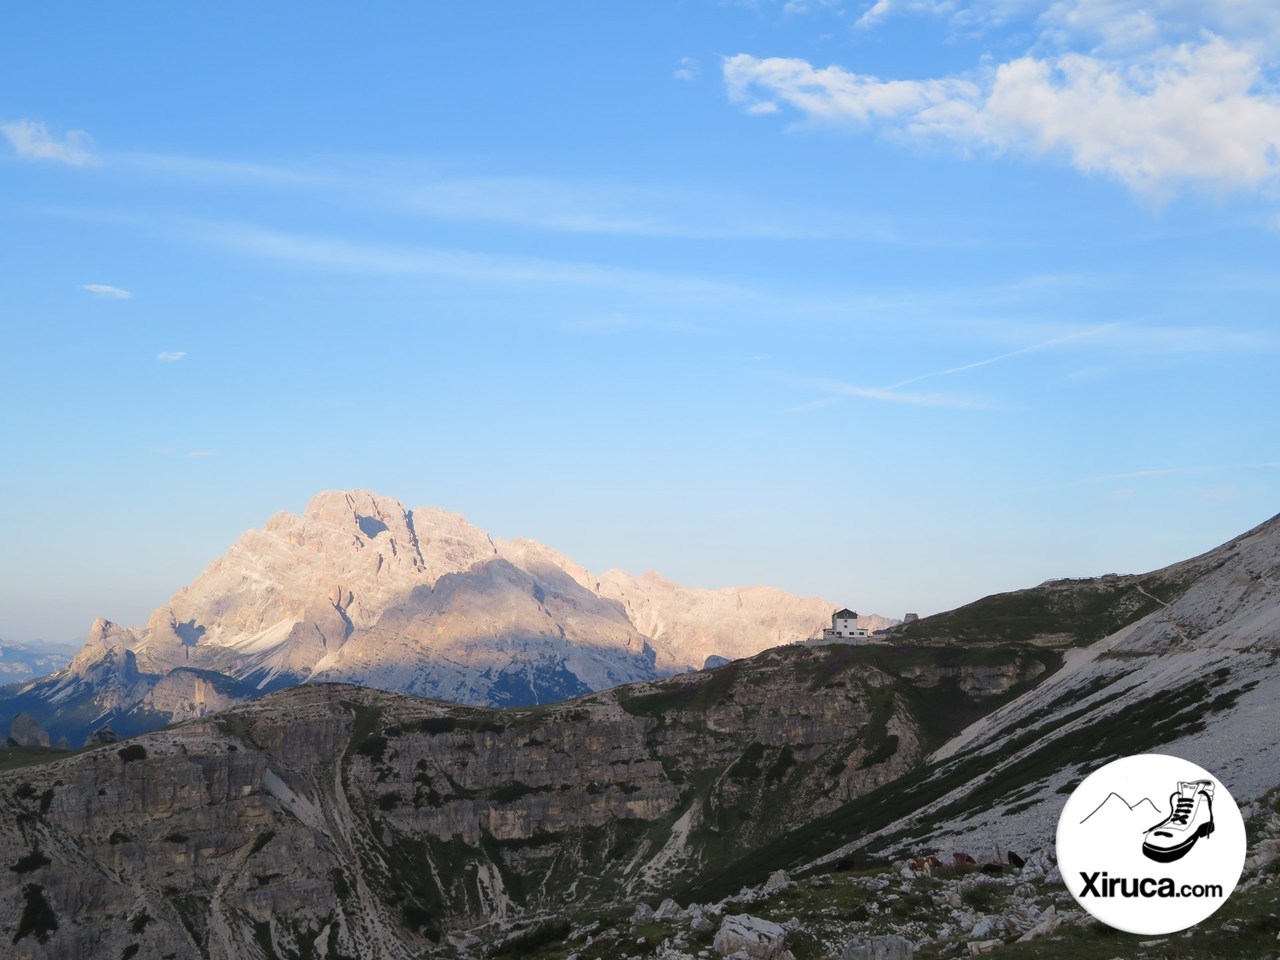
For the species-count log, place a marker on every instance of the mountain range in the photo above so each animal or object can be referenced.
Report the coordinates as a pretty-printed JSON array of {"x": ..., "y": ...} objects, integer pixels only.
[
  {"x": 20, "y": 662},
  {"x": 799, "y": 785},
  {"x": 361, "y": 590}
]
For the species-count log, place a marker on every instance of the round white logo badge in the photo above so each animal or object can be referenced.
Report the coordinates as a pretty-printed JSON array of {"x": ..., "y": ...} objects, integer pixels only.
[{"x": 1150, "y": 844}]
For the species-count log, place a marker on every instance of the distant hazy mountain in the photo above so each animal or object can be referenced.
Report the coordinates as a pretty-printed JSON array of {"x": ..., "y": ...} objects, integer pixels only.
[
  {"x": 20, "y": 662},
  {"x": 360, "y": 590}
]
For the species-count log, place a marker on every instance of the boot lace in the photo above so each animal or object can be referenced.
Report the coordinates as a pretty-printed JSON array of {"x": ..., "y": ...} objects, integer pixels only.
[{"x": 1182, "y": 810}]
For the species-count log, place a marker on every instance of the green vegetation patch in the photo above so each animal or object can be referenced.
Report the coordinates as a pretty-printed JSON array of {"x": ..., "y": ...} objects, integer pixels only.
[
  {"x": 1085, "y": 610},
  {"x": 260, "y": 841},
  {"x": 38, "y": 919},
  {"x": 747, "y": 766},
  {"x": 513, "y": 791},
  {"x": 533, "y": 943},
  {"x": 134, "y": 751},
  {"x": 139, "y": 923},
  {"x": 14, "y": 758},
  {"x": 32, "y": 861},
  {"x": 698, "y": 693}
]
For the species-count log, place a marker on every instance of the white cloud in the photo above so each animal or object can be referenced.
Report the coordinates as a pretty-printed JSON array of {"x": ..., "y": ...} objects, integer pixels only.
[
  {"x": 1119, "y": 26},
  {"x": 106, "y": 292},
  {"x": 881, "y": 10},
  {"x": 1111, "y": 25},
  {"x": 1198, "y": 113},
  {"x": 686, "y": 69},
  {"x": 34, "y": 141},
  {"x": 834, "y": 95},
  {"x": 201, "y": 454},
  {"x": 171, "y": 356}
]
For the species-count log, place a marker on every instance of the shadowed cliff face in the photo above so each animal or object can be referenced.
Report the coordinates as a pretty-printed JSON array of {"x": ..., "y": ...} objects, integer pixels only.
[{"x": 371, "y": 824}]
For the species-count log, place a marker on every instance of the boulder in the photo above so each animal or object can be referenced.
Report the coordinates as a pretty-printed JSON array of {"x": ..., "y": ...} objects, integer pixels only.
[
  {"x": 879, "y": 948},
  {"x": 1047, "y": 924},
  {"x": 988, "y": 928},
  {"x": 755, "y": 938},
  {"x": 668, "y": 910},
  {"x": 777, "y": 882}
]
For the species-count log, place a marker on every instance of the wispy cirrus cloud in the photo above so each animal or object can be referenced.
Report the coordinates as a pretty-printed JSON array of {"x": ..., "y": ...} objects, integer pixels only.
[
  {"x": 586, "y": 205},
  {"x": 1194, "y": 470},
  {"x": 104, "y": 291},
  {"x": 1050, "y": 344},
  {"x": 837, "y": 390},
  {"x": 35, "y": 141},
  {"x": 328, "y": 252},
  {"x": 170, "y": 356},
  {"x": 895, "y": 392}
]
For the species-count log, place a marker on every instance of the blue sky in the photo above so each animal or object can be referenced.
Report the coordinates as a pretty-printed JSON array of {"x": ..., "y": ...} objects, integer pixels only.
[{"x": 898, "y": 303}]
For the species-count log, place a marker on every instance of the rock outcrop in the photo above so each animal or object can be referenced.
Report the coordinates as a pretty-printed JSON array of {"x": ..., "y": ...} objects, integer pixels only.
[
  {"x": 1194, "y": 673},
  {"x": 375, "y": 824}
]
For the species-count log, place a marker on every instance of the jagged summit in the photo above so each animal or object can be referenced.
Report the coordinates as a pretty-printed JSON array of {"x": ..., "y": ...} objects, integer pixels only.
[{"x": 360, "y": 589}]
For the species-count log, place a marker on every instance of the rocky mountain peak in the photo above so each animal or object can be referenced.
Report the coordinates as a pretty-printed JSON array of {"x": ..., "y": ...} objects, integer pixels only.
[
  {"x": 359, "y": 589},
  {"x": 104, "y": 633}
]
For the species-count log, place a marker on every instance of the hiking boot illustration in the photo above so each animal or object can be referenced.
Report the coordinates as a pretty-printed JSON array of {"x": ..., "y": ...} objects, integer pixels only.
[{"x": 1190, "y": 818}]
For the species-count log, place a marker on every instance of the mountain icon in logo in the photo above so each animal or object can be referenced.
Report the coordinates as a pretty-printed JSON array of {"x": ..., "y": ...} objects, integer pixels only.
[{"x": 1117, "y": 811}]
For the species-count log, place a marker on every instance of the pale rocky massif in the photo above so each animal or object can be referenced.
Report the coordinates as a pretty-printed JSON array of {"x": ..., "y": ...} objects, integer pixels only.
[{"x": 359, "y": 589}]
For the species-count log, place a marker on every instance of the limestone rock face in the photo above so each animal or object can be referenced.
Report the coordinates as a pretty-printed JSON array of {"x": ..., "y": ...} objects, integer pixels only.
[
  {"x": 25, "y": 732},
  {"x": 686, "y": 626},
  {"x": 359, "y": 589},
  {"x": 376, "y": 824}
]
